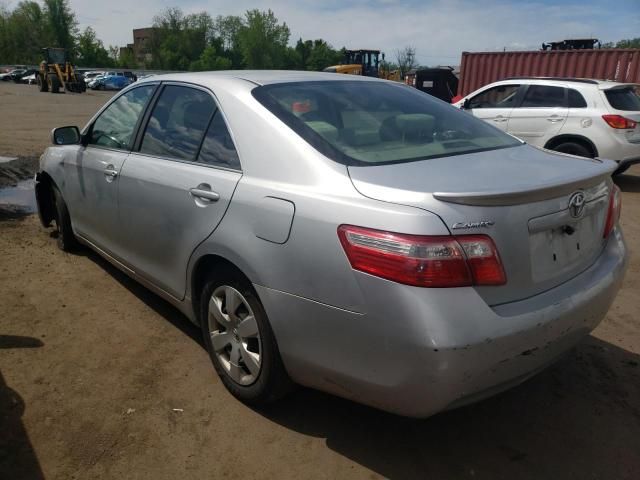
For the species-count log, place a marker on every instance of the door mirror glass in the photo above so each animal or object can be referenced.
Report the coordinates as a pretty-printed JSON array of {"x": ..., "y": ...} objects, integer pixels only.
[
  {"x": 466, "y": 104},
  {"x": 65, "y": 136}
]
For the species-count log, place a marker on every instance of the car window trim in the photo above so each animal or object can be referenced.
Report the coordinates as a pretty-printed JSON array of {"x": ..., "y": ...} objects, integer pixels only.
[
  {"x": 217, "y": 109},
  {"x": 136, "y": 128},
  {"x": 188, "y": 162}
]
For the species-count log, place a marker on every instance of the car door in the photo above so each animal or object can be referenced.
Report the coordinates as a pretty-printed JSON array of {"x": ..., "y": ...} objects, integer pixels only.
[
  {"x": 92, "y": 174},
  {"x": 176, "y": 188},
  {"x": 540, "y": 115},
  {"x": 495, "y": 104}
]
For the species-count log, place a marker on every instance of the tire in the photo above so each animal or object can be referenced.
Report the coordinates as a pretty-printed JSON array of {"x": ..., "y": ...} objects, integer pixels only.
[
  {"x": 42, "y": 83},
  {"x": 271, "y": 381},
  {"x": 67, "y": 241},
  {"x": 54, "y": 83},
  {"x": 573, "y": 148}
]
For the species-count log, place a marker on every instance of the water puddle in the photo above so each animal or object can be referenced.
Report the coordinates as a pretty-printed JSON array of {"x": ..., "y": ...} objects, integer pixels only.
[{"x": 18, "y": 200}]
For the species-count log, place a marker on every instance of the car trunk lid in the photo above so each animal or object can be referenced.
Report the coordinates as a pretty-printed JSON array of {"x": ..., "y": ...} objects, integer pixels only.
[{"x": 520, "y": 197}]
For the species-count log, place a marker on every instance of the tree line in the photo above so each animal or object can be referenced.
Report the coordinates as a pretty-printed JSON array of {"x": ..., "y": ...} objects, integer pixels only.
[{"x": 179, "y": 41}]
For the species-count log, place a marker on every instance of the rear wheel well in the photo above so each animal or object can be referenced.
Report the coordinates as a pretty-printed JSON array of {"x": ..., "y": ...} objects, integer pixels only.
[
  {"x": 45, "y": 199},
  {"x": 203, "y": 268},
  {"x": 584, "y": 141}
]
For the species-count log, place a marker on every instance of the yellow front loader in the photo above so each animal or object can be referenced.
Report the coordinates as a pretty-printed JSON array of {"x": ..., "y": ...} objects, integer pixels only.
[{"x": 57, "y": 72}]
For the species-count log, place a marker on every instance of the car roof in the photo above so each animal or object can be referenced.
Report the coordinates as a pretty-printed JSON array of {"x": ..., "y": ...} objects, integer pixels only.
[
  {"x": 261, "y": 77},
  {"x": 601, "y": 84}
]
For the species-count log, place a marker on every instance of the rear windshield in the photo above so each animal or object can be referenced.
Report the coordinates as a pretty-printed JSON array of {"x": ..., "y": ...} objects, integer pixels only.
[
  {"x": 623, "y": 99},
  {"x": 365, "y": 123}
]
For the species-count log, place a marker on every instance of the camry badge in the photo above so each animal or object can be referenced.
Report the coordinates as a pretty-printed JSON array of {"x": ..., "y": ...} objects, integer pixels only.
[
  {"x": 480, "y": 224},
  {"x": 576, "y": 204}
]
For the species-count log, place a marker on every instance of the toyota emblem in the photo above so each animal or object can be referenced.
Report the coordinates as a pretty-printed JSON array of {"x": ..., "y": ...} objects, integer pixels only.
[{"x": 576, "y": 204}]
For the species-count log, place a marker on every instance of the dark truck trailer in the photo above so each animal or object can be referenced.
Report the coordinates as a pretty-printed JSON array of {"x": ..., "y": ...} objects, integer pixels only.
[
  {"x": 481, "y": 68},
  {"x": 441, "y": 82}
]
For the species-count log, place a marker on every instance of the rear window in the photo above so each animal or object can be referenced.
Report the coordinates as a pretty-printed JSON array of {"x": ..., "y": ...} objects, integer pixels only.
[
  {"x": 365, "y": 123},
  {"x": 623, "y": 99}
]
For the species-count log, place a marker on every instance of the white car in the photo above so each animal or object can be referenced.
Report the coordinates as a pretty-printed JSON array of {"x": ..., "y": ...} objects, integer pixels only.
[
  {"x": 89, "y": 76},
  {"x": 589, "y": 118}
]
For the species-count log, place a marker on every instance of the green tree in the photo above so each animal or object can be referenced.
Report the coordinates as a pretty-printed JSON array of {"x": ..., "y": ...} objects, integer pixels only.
[
  {"x": 178, "y": 39},
  {"x": 322, "y": 56},
  {"x": 263, "y": 41},
  {"x": 629, "y": 43},
  {"x": 62, "y": 25},
  {"x": 91, "y": 51},
  {"x": 126, "y": 59},
  {"x": 210, "y": 60}
]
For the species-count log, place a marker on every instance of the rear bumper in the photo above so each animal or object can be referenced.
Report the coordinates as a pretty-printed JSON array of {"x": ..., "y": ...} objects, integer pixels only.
[
  {"x": 419, "y": 351},
  {"x": 616, "y": 146}
]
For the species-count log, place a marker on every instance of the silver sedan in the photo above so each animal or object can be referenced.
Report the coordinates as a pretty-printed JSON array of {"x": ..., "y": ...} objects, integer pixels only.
[{"x": 344, "y": 233}]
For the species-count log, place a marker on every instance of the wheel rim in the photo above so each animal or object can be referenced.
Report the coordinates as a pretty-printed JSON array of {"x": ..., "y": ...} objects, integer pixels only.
[{"x": 234, "y": 335}]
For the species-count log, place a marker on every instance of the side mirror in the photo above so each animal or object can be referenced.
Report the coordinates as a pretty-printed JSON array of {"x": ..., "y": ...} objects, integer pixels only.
[
  {"x": 65, "y": 136},
  {"x": 466, "y": 105}
]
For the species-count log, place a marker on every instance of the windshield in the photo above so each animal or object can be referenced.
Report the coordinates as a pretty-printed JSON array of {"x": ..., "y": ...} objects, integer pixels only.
[
  {"x": 364, "y": 123},
  {"x": 623, "y": 99}
]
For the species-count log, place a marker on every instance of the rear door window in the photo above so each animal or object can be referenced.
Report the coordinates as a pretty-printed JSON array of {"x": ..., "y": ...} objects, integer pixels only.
[
  {"x": 502, "y": 96},
  {"x": 218, "y": 149},
  {"x": 544, "y": 96},
  {"x": 115, "y": 126},
  {"x": 178, "y": 122},
  {"x": 626, "y": 99}
]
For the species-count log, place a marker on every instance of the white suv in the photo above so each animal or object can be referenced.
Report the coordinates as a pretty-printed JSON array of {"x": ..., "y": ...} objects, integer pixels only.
[{"x": 589, "y": 118}]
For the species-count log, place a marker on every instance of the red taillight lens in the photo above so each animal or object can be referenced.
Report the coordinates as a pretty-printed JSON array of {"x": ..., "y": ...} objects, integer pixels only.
[
  {"x": 423, "y": 261},
  {"x": 620, "y": 122},
  {"x": 613, "y": 212}
]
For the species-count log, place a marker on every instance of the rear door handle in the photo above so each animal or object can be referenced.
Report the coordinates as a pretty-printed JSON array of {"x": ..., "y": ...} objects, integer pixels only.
[
  {"x": 500, "y": 118},
  {"x": 554, "y": 118},
  {"x": 209, "y": 195}
]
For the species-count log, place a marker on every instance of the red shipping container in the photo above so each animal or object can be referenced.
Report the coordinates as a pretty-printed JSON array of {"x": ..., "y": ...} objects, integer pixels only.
[{"x": 480, "y": 68}]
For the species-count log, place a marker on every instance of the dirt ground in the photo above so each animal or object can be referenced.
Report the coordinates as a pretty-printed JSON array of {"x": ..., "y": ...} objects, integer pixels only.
[{"x": 99, "y": 378}]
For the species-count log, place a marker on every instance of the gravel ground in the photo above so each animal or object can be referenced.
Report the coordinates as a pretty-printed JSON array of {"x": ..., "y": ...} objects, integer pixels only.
[{"x": 99, "y": 378}]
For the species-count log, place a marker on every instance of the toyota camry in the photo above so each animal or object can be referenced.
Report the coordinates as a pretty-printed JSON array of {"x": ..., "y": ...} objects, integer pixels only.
[{"x": 344, "y": 233}]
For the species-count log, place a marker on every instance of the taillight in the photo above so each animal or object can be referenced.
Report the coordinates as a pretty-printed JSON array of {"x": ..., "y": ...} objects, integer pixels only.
[
  {"x": 613, "y": 212},
  {"x": 620, "y": 122},
  {"x": 423, "y": 261}
]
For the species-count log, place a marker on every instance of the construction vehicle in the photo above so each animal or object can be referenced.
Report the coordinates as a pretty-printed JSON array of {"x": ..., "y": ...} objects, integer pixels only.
[
  {"x": 366, "y": 63},
  {"x": 56, "y": 71}
]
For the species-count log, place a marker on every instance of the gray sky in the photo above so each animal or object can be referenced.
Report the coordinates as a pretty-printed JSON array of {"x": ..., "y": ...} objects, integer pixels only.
[{"x": 439, "y": 30}]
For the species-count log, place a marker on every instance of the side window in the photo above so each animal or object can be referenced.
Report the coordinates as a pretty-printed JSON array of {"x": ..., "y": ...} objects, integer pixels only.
[
  {"x": 218, "y": 149},
  {"x": 576, "y": 100},
  {"x": 177, "y": 123},
  {"x": 544, "y": 96},
  {"x": 502, "y": 96},
  {"x": 114, "y": 127}
]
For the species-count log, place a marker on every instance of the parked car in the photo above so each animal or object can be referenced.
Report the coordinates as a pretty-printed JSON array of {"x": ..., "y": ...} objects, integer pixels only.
[
  {"x": 17, "y": 76},
  {"x": 109, "y": 82},
  {"x": 345, "y": 233},
  {"x": 29, "y": 79},
  {"x": 589, "y": 118},
  {"x": 9, "y": 76},
  {"x": 130, "y": 75},
  {"x": 89, "y": 76}
]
